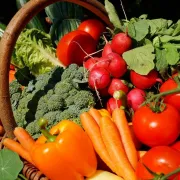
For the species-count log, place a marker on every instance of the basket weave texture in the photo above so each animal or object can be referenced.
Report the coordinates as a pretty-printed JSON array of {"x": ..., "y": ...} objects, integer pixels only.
[{"x": 7, "y": 43}]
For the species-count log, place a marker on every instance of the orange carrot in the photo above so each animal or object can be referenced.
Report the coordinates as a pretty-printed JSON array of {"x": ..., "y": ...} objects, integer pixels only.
[
  {"x": 92, "y": 129},
  {"x": 104, "y": 112},
  {"x": 113, "y": 143},
  {"x": 95, "y": 114},
  {"x": 24, "y": 138},
  {"x": 119, "y": 118},
  {"x": 16, "y": 147}
]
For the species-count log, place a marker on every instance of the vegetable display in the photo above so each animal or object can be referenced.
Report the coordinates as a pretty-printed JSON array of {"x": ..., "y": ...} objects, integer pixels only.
[{"x": 93, "y": 102}]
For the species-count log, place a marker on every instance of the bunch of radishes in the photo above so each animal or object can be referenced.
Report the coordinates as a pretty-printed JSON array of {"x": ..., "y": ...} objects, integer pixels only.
[{"x": 106, "y": 75}]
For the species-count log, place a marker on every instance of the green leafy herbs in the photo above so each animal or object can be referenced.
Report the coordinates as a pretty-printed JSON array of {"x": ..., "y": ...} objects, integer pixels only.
[
  {"x": 35, "y": 50},
  {"x": 10, "y": 165},
  {"x": 140, "y": 59}
]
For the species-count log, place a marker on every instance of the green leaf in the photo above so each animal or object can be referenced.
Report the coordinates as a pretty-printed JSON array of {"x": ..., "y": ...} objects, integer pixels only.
[
  {"x": 161, "y": 62},
  {"x": 138, "y": 30},
  {"x": 158, "y": 26},
  {"x": 177, "y": 29},
  {"x": 35, "y": 50},
  {"x": 10, "y": 165},
  {"x": 172, "y": 54},
  {"x": 64, "y": 10},
  {"x": 167, "y": 38},
  {"x": 112, "y": 14},
  {"x": 140, "y": 59}
]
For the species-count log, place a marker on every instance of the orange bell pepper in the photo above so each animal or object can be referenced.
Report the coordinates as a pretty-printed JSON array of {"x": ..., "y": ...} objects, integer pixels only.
[{"x": 65, "y": 153}]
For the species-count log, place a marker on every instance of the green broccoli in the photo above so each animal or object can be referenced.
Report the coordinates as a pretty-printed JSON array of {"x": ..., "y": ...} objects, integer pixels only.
[
  {"x": 33, "y": 129},
  {"x": 15, "y": 91},
  {"x": 54, "y": 96}
]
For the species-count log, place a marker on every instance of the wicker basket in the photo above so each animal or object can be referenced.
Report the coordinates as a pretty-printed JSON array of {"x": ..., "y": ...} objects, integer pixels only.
[{"x": 7, "y": 43}]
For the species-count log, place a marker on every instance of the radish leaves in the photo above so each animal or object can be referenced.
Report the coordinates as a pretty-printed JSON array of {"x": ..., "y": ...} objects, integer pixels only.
[
  {"x": 140, "y": 59},
  {"x": 138, "y": 30}
]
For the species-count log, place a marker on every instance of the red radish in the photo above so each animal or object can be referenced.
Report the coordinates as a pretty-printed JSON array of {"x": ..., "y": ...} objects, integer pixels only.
[
  {"x": 103, "y": 92},
  {"x": 144, "y": 81},
  {"x": 98, "y": 78},
  {"x": 103, "y": 62},
  {"x": 90, "y": 63},
  {"x": 117, "y": 67},
  {"x": 107, "y": 49},
  {"x": 116, "y": 85},
  {"x": 135, "y": 98},
  {"x": 120, "y": 43},
  {"x": 112, "y": 104}
]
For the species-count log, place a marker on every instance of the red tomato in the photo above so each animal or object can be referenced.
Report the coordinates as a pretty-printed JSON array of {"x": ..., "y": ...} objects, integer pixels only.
[
  {"x": 159, "y": 159},
  {"x": 173, "y": 99},
  {"x": 94, "y": 27},
  {"x": 72, "y": 47},
  {"x": 176, "y": 145},
  {"x": 155, "y": 129},
  {"x": 136, "y": 141},
  {"x": 144, "y": 81}
]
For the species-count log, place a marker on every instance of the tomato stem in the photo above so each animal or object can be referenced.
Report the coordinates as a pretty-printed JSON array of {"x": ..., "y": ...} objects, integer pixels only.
[
  {"x": 165, "y": 177},
  {"x": 158, "y": 96}
]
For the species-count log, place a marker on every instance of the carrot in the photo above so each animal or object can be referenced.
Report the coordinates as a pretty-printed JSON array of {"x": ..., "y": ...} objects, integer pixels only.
[
  {"x": 95, "y": 114},
  {"x": 16, "y": 147},
  {"x": 24, "y": 138},
  {"x": 113, "y": 143},
  {"x": 119, "y": 118},
  {"x": 104, "y": 112},
  {"x": 92, "y": 129}
]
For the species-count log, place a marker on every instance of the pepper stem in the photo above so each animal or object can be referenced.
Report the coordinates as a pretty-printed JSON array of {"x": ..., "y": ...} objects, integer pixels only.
[{"x": 42, "y": 124}]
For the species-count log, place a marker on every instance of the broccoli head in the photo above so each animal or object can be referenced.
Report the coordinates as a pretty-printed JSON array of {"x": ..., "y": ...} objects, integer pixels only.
[{"x": 53, "y": 96}]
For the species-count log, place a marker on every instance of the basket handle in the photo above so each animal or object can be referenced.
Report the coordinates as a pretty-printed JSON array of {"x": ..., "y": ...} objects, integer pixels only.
[{"x": 8, "y": 41}]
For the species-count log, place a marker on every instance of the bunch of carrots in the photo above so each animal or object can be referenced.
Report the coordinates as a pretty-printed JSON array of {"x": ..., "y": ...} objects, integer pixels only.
[
  {"x": 110, "y": 135},
  {"x": 23, "y": 145},
  {"x": 112, "y": 141}
]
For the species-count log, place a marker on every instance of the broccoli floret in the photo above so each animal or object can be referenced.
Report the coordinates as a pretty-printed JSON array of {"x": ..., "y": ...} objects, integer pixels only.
[
  {"x": 15, "y": 100},
  {"x": 14, "y": 87},
  {"x": 63, "y": 87},
  {"x": 52, "y": 117},
  {"x": 84, "y": 98},
  {"x": 33, "y": 129},
  {"x": 70, "y": 72},
  {"x": 55, "y": 102}
]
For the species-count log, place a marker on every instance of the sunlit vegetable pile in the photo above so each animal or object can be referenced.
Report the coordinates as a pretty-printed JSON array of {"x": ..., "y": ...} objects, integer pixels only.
[{"x": 98, "y": 103}]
